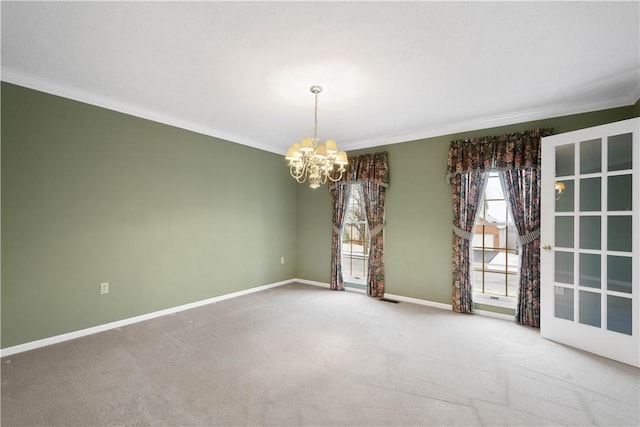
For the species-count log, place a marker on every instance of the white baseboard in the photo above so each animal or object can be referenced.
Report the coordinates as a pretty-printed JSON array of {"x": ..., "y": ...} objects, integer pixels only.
[
  {"x": 389, "y": 296},
  {"x": 124, "y": 322},
  {"x": 440, "y": 305},
  {"x": 419, "y": 301},
  {"x": 311, "y": 282}
]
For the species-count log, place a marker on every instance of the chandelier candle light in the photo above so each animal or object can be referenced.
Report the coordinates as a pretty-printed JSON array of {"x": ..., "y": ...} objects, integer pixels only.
[{"x": 316, "y": 162}]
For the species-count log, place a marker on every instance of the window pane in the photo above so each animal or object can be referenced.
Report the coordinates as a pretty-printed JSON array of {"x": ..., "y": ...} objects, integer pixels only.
[
  {"x": 589, "y": 308},
  {"x": 590, "y": 156},
  {"x": 619, "y": 193},
  {"x": 619, "y": 233},
  {"x": 564, "y": 267},
  {"x": 565, "y": 160},
  {"x": 590, "y": 237},
  {"x": 590, "y": 269},
  {"x": 494, "y": 283},
  {"x": 590, "y": 190},
  {"x": 496, "y": 211},
  {"x": 477, "y": 281},
  {"x": 513, "y": 281},
  {"x": 619, "y": 152},
  {"x": 563, "y": 307},
  {"x": 564, "y": 200},
  {"x": 564, "y": 231},
  {"x": 619, "y": 273},
  {"x": 619, "y": 314},
  {"x": 494, "y": 188}
]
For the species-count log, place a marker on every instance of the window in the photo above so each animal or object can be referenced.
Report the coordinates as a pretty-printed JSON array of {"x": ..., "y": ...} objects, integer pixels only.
[
  {"x": 355, "y": 238},
  {"x": 496, "y": 259}
]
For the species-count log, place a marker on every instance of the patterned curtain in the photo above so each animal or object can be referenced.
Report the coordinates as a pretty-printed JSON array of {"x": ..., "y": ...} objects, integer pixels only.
[
  {"x": 523, "y": 190},
  {"x": 368, "y": 168},
  {"x": 467, "y": 189},
  {"x": 374, "y": 195},
  {"x": 372, "y": 171},
  {"x": 496, "y": 153},
  {"x": 338, "y": 196},
  {"x": 518, "y": 156}
]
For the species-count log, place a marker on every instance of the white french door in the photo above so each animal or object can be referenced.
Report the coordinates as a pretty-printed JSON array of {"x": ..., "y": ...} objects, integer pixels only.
[{"x": 590, "y": 237}]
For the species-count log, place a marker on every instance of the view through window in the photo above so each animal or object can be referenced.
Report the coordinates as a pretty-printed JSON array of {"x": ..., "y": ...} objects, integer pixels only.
[
  {"x": 495, "y": 247},
  {"x": 355, "y": 238}
]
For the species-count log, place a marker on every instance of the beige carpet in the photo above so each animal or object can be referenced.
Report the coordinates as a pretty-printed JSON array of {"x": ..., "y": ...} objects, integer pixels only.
[{"x": 299, "y": 355}]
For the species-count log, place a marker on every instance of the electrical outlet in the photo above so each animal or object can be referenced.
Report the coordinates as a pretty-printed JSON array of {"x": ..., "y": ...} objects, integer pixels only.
[
  {"x": 281, "y": 260},
  {"x": 104, "y": 288}
]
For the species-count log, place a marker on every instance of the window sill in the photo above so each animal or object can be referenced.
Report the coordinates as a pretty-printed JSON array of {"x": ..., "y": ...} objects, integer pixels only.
[
  {"x": 355, "y": 285},
  {"x": 354, "y": 280},
  {"x": 496, "y": 301}
]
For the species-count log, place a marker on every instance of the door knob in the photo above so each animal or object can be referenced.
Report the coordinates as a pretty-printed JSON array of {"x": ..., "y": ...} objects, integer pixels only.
[{"x": 547, "y": 247}]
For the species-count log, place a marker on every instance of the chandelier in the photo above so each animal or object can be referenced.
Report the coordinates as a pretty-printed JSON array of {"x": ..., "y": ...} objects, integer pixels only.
[{"x": 315, "y": 162}]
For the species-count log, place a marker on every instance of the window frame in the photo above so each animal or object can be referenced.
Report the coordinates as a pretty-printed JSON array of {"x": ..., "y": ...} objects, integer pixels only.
[
  {"x": 479, "y": 292},
  {"x": 349, "y": 279}
]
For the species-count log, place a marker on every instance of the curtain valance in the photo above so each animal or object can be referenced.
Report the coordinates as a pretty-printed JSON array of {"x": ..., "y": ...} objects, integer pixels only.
[
  {"x": 367, "y": 168},
  {"x": 505, "y": 152}
]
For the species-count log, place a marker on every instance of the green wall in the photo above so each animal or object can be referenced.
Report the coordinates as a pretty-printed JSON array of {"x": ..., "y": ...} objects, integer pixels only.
[
  {"x": 166, "y": 216},
  {"x": 418, "y": 211}
]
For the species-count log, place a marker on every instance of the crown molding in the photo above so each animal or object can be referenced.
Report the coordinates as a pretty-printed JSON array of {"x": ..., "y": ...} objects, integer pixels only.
[
  {"x": 43, "y": 85},
  {"x": 47, "y": 86},
  {"x": 502, "y": 120}
]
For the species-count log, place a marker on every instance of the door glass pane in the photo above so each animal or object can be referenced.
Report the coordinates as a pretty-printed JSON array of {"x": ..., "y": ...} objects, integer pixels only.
[
  {"x": 590, "y": 156},
  {"x": 619, "y": 233},
  {"x": 589, "y": 308},
  {"x": 619, "y": 314},
  {"x": 565, "y": 159},
  {"x": 564, "y": 200},
  {"x": 564, "y": 231},
  {"x": 590, "y": 194},
  {"x": 619, "y": 193},
  {"x": 619, "y": 152},
  {"x": 590, "y": 270},
  {"x": 590, "y": 237},
  {"x": 564, "y": 267},
  {"x": 619, "y": 273},
  {"x": 563, "y": 303}
]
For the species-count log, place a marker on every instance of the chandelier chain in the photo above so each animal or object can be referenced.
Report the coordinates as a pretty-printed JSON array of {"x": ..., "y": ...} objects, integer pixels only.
[{"x": 315, "y": 118}]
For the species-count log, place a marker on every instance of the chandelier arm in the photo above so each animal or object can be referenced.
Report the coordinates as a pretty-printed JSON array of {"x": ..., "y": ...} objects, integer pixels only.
[
  {"x": 302, "y": 173},
  {"x": 337, "y": 179},
  {"x": 302, "y": 177},
  {"x": 291, "y": 172}
]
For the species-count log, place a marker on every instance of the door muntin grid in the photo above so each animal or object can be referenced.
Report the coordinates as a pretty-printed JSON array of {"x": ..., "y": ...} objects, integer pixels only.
[{"x": 593, "y": 229}]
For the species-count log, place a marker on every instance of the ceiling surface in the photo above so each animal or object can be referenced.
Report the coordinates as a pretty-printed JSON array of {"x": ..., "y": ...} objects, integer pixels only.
[{"x": 391, "y": 71}]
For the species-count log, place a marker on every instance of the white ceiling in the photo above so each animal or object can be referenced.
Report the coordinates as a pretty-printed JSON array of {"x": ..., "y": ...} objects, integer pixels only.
[{"x": 391, "y": 71}]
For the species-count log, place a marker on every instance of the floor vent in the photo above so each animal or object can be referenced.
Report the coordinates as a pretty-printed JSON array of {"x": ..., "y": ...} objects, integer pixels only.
[{"x": 389, "y": 300}]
